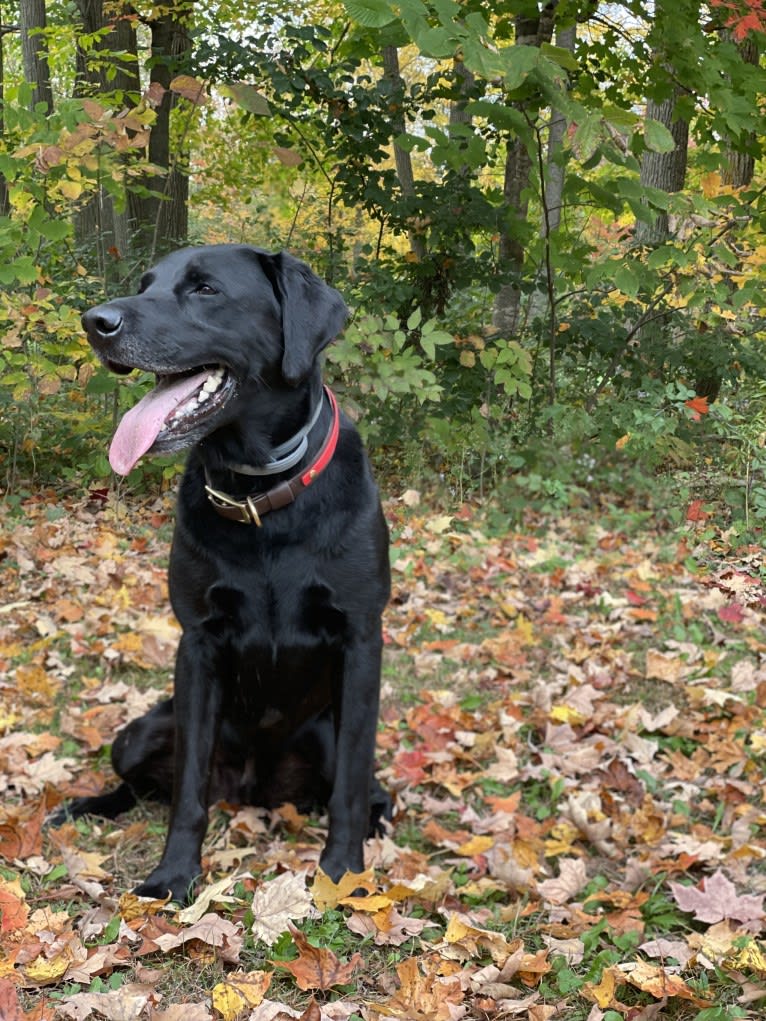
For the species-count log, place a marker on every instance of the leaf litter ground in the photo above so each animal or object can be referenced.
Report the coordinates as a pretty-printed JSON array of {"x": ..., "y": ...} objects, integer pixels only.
[{"x": 574, "y": 730}]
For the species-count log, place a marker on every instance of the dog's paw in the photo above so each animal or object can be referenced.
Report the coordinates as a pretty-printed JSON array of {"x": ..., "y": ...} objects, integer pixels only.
[{"x": 177, "y": 884}]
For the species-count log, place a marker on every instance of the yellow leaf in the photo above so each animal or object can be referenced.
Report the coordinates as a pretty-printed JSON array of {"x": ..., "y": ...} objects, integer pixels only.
[
  {"x": 603, "y": 993},
  {"x": 373, "y": 904},
  {"x": 476, "y": 845},
  {"x": 439, "y": 524},
  {"x": 524, "y": 631},
  {"x": 327, "y": 895},
  {"x": 566, "y": 714},
  {"x": 130, "y": 906},
  {"x": 228, "y": 1001},
  {"x": 749, "y": 958},
  {"x": 623, "y": 441},
  {"x": 468, "y": 359},
  {"x": 563, "y": 836},
  {"x": 711, "y": 184},
  {"x": 241, "y": 991},
  {"x": 70, "y": 189},
  {"x": 42, "y": 971},
  {"x": 437, "y": 617},
  {"x": 469, "y": 941}
]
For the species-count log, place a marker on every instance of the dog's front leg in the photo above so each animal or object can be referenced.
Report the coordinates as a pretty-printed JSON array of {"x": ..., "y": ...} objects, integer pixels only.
[
  {"x": 197, "y": 707},
  {"x": 355, "y": 707}
]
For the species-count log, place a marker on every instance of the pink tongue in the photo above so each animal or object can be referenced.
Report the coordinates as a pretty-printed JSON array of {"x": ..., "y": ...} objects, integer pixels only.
[{"x": 140, "y": 426}]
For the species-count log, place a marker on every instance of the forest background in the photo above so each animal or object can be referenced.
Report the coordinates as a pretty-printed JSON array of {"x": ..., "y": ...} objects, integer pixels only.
[{"x": 547, "y": 222}]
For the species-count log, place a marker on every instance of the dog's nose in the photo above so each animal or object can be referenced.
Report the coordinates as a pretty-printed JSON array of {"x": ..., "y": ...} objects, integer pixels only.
[{"x": 103, "y": 321}]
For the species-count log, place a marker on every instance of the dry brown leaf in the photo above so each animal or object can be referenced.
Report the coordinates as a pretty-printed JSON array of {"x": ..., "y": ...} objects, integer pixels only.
[
  {"x": 277, "y": 903},
  {"x": 318, "y": 967},
  {"x": 571, "y": 879},
  {"x": 124, "y": 1004},
  {"x": 422, "y": 996},
  {"x": 212, "y": 931}
]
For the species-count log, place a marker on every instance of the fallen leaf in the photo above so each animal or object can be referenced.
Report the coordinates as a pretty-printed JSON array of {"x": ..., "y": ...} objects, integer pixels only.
[
  {"x": 241, "y": 991},
  {"x": 327, "y": 895},
  {"x": 716, "y": 899},
  {"x": 277, "y": 903},
  {"x": 318, "y": 967}
]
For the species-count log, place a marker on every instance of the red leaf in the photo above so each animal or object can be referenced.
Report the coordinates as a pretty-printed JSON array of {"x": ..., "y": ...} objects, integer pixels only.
[
  {"x": 731, "y": 614},
  {"x": 695, "y": 512}
]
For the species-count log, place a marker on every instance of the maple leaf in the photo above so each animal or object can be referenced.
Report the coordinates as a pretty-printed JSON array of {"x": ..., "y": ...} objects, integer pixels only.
[
  {"x": 660, "y": 983},
  {"x": 124, "y": 1004},
  {"x": 422, "y": 997},
  {"x": 327, "y": 894},
  {"x": 717, "y": 900},
  {"x": 13, "y": 907},
  {"x": 277, "y": 903},
  {"x": 465, "y": 941},
  {"x": 571, "y": 879},
  {"x": 698, "y": 407},
  {"x": 318, "y": 967},
  {"x": 215, "y": 893},
  {"x": 211, "y": 930},
  {"x": 388, "y": 927},
  {"x": 241, "y": 991}
]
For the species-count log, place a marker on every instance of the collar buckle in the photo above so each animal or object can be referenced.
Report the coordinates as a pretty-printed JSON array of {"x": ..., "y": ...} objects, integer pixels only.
[{"x": 226, "y": 505}]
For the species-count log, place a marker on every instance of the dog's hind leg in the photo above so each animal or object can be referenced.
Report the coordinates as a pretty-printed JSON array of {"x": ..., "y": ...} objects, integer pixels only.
[{"x": 142, "y": 756}]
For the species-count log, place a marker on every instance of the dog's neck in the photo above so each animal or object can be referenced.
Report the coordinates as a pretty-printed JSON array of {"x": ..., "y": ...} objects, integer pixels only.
[
  {"x": 249, "y": 507},
  {"x": 285, "y": 455}
]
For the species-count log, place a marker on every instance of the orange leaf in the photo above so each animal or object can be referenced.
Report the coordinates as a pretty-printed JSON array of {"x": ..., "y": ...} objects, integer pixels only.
[
  {"x": 13, "y": 908},
  {"x": 698, "y": 407},
  {"x": 9, "y": 1002},
  {"x": 318, "y": 967}
]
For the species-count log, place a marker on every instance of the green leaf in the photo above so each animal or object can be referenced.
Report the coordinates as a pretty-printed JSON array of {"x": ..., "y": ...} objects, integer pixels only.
[
  {"x": 623, "y": 120},
  {"x": 249, "y": 98},
  {"x": 55, "y": 230},
  {"x": 626, "y": 280},
  {"x": 561, "y": 56},
  {"x": 415, "y": 320},
  {"x": 370, "y": 13},
  {"x": 587, "y": 137},
  {"x": 657, "y": 137}
]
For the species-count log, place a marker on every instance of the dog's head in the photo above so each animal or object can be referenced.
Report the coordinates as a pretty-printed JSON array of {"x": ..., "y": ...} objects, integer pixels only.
[{"x": 216, "y": 324}]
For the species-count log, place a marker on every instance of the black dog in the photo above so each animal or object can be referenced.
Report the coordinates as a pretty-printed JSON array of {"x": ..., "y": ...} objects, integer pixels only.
[{"x": 279, "y": 565}]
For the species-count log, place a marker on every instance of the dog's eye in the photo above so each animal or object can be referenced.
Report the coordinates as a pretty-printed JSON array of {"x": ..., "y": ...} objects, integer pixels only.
[{"x": 204, "y": 289}]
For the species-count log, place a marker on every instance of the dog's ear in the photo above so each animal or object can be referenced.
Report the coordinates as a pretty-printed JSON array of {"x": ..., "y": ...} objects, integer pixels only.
[{"x": 313, "y": 314}]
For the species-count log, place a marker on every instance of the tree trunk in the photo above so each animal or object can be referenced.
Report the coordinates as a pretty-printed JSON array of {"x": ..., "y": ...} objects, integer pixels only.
[
  {"x": 163, "y": 218},
  {"x": 34, "y": 52},
  {"x": 663, "y": 170},
  {"x": 99, "y": 220},
  {"x": 402, "y": 158},
  {"x": 3, "y": 181},
  {"x": 554, "y": 182},
  {"x": 530, "y": 31},
  {"x": 740, "y": 165},
  {"x": 457, "y": 111}
]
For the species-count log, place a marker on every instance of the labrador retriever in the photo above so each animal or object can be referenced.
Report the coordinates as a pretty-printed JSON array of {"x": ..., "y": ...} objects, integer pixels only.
[{"x": 279, "y": 563}]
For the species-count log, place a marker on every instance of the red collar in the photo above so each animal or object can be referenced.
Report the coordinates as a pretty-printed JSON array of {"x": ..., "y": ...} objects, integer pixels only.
[{"x": 250, "y": 510}]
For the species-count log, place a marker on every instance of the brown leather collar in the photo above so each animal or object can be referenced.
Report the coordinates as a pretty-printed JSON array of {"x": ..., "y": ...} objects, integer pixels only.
[{"x": 250, "y": 510}]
